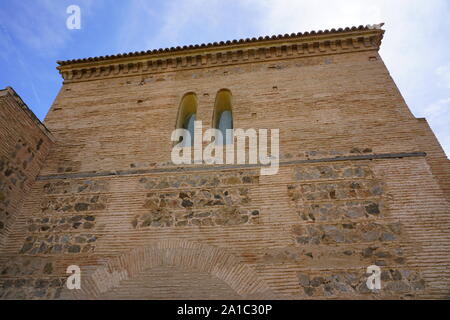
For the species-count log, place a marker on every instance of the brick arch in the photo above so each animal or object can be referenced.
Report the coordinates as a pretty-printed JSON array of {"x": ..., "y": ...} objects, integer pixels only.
[{"x": 190, "y": 255}]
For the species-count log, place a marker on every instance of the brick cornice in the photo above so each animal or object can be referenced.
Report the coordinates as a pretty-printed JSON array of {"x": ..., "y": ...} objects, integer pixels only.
[{"x": 230, "y": 53}]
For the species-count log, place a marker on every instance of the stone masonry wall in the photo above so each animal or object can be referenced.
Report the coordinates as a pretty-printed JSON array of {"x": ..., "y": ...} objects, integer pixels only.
[{"x": 25, "y": 143}]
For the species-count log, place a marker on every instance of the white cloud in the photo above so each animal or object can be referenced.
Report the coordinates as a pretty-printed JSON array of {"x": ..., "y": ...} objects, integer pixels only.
[
  {"x": 438, "y": 116},
  {"x": 41, "y": 26},
  {"x": 414, "y": 46},
  {"x": 150, "y": 28},
  {"x": 436, "y": 110},
  {"x": 444, "y": 74},
  {"x": 34, "y": 26},
  {"x": 184, "y": 13},
  {"x": 410, "y": 24}
]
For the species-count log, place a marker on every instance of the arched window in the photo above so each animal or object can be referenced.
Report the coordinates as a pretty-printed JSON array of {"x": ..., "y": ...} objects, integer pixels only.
[
  {"x": 187, "y": 116},
  {"x": 223, "y": 115}
]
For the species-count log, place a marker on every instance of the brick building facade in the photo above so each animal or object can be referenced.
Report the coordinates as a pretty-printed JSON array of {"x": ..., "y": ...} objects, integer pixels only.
[{"x": 361, "y": 181}]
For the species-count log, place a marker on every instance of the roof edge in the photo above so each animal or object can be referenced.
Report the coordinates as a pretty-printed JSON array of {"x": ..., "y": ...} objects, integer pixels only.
[
  {"x": 10, "y": 92},
  {"x": 223, "y": 44}
]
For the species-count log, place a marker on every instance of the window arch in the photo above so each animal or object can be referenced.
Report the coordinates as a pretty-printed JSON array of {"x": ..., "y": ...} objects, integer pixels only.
[
  {"x": 187, "y": 114},
  {"x": 223, "y": 114}
]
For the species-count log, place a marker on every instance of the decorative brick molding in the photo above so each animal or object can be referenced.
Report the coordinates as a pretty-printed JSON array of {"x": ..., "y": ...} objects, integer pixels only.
[
  {"x": 189, "y": 255},
  {"x": 220, "y": 54},
  {"x": 202, "y": 168}
]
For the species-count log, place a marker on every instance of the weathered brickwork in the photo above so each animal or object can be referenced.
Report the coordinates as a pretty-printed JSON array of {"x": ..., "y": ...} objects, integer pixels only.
[
  {"x": 353, "y": 193},
  {"x": 344, "y": 203},
  {"x": 202, "y": 205},
  {"x": 75, "y": 187},
  {"x": 13, "y": 176},
  {"x": 193, "y": 181},
  {"x": 381, "y": 254},
  {"x": 25, "y": 143},
  {"x": 345, "y": 284},
  {"x": 346, "y": 233},
  {"x": 49, "y": 224},
  {"x": 361, "y": 181},
  {"x": 59, "y": 244},
  {"x": 73, "y": 204},
  {"x": 68, "y": 212},
  {"x": 30, "y": 277},
  {"x": 340, "y": 210},
  {"x": 222, "y": 217}
]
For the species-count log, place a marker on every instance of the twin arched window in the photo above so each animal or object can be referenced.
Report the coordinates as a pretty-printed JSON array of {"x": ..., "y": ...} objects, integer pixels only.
[{"x": 222, "y": 116}]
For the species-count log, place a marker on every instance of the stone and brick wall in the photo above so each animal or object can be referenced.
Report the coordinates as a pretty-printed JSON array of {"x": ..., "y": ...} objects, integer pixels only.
[
  {"x": 24, "y": 145},
  {"x": 361, "y": 181}
]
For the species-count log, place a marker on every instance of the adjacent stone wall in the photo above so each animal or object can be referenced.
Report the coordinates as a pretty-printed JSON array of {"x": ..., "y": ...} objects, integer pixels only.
[
  {"x": 25, "y": 143},
  {"x": 66, "y": 216},
  {"x": 27, "y": 278}
]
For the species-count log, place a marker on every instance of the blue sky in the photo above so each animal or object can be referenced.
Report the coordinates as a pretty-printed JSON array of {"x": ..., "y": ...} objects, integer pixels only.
[{"x": 33, "y": 35}]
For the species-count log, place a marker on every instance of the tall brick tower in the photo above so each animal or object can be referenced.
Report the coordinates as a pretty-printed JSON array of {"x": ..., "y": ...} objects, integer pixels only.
[{"x": 361, "y": 182}]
